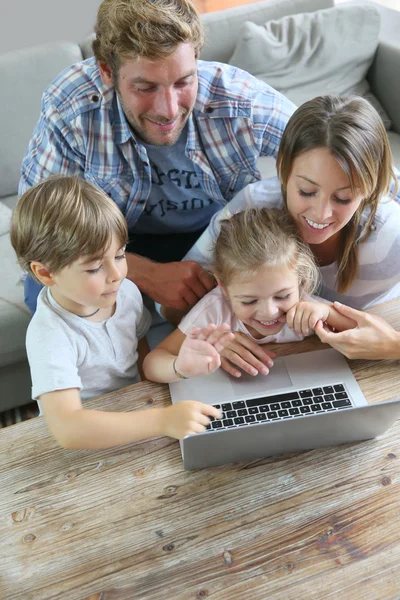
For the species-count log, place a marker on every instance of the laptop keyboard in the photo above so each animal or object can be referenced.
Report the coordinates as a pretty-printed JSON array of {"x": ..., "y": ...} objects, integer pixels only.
[{"x": 281, "y": 406}]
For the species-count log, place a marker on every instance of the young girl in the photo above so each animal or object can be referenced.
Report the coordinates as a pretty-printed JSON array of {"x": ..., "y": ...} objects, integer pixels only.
[
  {"x": 265, "y": 276},
  {"x": 335, "y": 171}
]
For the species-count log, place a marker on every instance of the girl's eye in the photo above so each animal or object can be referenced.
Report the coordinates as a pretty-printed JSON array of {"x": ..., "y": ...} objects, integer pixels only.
[
  {"x": 343, "y": 200},
  {"x": 306, "y": 194},
  {"x": 249, "y": 303},
  {"x": 283, "y": 297}
]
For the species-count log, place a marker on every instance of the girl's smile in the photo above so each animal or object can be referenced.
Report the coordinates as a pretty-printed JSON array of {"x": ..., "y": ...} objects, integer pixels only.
[{"x": 262, "y": 301}]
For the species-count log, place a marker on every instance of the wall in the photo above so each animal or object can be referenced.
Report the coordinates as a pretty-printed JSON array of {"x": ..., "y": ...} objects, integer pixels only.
[{"x": 29, "y": 22}]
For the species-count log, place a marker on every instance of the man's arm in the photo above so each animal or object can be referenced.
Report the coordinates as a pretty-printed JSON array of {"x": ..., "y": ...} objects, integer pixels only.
[
  {"x": 52, "y": 150},
  {"x": 177, "y": 285}
]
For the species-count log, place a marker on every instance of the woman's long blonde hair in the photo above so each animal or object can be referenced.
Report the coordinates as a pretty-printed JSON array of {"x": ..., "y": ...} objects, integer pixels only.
[
  {"x": 355, "y": 135},
  {"x": 262, "y": 237}
]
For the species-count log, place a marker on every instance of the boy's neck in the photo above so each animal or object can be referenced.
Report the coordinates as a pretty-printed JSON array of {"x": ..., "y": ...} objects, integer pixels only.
[{"x": 88, "y": 313}]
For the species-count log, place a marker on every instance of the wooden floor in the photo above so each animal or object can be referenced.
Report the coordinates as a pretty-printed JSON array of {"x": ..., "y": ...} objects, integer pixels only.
[{"x": 205, "y": 6}]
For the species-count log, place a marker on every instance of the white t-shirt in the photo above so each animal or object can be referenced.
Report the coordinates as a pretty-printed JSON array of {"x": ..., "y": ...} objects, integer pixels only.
[
  {"x": 215, "y": 308},
  {"x": 66, "y": 351}
]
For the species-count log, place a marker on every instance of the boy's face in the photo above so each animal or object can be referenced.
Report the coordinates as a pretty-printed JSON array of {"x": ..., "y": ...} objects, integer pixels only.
[
  {"x": 261, "y": 303},
  {"x": 91, "y": 282}
]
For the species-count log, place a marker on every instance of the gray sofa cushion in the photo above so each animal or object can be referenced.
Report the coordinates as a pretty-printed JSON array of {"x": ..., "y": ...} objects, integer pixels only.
[
  {"x": 222, "y": 28},
  {"x": 24, "y": 74},
  {"x": 300, "y": 55}
]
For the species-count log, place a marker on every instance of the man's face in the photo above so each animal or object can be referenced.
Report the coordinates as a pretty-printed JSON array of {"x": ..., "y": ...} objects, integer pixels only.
[{"x": 157, "y": 96}]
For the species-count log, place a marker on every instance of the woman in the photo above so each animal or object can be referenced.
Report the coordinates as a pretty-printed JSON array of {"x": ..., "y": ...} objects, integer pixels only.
[{"x": 335, "y": 170}]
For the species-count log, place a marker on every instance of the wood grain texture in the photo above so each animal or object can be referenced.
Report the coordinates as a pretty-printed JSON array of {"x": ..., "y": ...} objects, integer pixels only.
[{"x": 130, "y": 523}]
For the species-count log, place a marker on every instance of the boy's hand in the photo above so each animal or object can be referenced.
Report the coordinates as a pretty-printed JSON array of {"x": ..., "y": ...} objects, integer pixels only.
[
  {"x": 187, "y": 417},
  {"x": 200, "y": 352},
  {"x": 304, "y": 316}
]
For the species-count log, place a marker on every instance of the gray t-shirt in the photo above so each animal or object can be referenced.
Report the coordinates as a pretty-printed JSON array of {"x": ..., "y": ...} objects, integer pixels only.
[{"x": 66, "y": 351}]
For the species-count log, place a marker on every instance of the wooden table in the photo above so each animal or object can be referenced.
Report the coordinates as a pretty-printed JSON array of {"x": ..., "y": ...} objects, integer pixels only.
[{"x": 130, "y": 523}]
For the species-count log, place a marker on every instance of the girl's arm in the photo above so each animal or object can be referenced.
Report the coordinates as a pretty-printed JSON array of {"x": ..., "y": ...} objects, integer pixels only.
[
  {"x": 188, "y": 356},
  {"x": 304, "y": 316},
  {"x": 76, "y": 428}
]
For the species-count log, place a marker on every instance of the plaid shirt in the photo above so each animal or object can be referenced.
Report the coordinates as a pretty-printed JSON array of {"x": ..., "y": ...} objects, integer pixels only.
[{"x": 82, "y": 130}]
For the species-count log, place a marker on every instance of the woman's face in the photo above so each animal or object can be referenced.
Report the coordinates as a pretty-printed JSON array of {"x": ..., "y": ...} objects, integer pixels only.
[{"x": 319, "y": 196}]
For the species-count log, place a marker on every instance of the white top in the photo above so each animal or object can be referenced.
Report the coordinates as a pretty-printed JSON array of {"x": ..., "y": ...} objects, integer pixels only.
[
  {"x": 67, "y": 351},
  {"x": 215, "y": 308},
  {"x": 378, "y": 278}
]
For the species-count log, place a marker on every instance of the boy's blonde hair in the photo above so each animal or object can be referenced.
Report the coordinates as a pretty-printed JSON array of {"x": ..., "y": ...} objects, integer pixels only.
[
  {"x": 263, "y": 237},
  {"x": 354, "y": 134},
  {"x": 152, "y": 29},
  {"x": 61, "y": 219}
]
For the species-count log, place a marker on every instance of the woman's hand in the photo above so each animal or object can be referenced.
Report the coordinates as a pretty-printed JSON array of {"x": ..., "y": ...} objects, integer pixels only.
[
  {"x": 200, "y": 352},
  {"x": 246, "y": 354},
  {"x": 372, "y": 338}
]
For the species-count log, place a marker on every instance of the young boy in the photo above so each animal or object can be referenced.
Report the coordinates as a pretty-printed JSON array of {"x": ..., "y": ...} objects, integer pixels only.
[{"x": 89, "y": 327}]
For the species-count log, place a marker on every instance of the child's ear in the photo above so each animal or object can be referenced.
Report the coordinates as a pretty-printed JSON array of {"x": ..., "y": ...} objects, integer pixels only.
[
  {"x": 221, "y": 285},
  {"x": 42, "y": 273}
]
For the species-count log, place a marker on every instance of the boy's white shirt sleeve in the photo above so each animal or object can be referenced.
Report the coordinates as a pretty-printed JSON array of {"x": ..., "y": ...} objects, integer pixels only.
[
  {"x": 53, "y": 359},
  {"x": 143, "y": 317}
]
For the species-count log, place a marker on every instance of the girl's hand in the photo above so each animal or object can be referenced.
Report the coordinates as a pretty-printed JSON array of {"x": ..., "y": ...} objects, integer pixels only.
[
  {"x": 200, "y": 351},
  {"x": 187, "y": 417},
  {"x": 304, "y": 316},
  {"x": 372, "y": 338},
  {"x": 245, "y": 353}
]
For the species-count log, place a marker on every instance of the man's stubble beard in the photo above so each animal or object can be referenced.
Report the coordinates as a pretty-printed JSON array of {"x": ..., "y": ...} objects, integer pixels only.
[{"x": 141, "y": 132}]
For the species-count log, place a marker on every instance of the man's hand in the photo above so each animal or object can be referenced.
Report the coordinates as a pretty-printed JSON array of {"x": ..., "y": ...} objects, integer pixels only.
[
  {"x": 199, "y": 353},
  {"x": 246, "y": 354},
  {"x": 176, "y": 285},
  {"x": 304, "y": 316},
  {"x": 372, "y": 338},
  {"x": 186, "y": 418}
]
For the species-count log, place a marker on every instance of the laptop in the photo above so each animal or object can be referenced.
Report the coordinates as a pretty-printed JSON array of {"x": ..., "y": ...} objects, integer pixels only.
[{"x": 307, "y": 401}]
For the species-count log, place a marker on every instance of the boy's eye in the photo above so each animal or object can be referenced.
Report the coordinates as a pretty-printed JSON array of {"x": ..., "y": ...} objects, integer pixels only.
[
  {"x": 249, "y": 302},
  {"x": 120, "y": 256},
  {"x": 306, "y": 194},
  {"x": 93, "y": 271}
]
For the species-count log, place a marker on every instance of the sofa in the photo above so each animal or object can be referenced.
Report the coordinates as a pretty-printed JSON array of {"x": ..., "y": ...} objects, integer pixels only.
[{"x": 264, "y": 37}]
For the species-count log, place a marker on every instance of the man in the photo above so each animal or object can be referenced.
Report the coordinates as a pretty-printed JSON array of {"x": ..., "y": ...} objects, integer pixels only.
[{"x": 169, "y": 138}]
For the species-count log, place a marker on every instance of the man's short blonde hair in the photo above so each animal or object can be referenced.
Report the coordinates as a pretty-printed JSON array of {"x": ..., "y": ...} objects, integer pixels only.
[
  {"x": 61, "y": 219},
  {"x": 152, "y": 29}
]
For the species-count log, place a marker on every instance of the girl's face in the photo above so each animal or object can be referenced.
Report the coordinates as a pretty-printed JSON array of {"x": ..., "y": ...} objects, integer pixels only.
[
  {"x": 262, "y": 302},
  {"x": 319, "y": 196}
]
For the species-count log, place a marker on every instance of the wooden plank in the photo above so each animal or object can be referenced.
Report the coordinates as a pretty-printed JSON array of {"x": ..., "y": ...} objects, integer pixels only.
[{"x": 129, "y": 522}]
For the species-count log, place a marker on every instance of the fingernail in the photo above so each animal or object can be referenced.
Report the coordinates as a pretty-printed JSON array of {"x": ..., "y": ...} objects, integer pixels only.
[
  {"x": 237, "y": 374},
  {"x": 254, "y": 372},
  {"x": 264, "y": 371}
]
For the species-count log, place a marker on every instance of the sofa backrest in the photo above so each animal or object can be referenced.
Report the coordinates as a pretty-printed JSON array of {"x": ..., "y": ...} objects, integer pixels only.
[
  {"x": 24, "y": 75},
  {"x": 222, "y": 27}
]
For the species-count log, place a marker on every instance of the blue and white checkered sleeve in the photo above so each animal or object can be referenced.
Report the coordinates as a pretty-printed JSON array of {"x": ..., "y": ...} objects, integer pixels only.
[{"x": 53, "y": 149}]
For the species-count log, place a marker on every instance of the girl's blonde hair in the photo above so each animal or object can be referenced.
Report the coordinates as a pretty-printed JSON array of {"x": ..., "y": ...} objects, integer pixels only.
[
  {"x": 263, "y": 237},
  {"x": 61, "y": 219},
  {"x": 152, "y": 29},
  {"x": 355, "y": 135}
]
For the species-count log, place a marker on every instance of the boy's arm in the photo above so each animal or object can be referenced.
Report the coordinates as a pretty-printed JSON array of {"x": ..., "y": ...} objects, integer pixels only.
[{"x": 76, "y": 428}]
